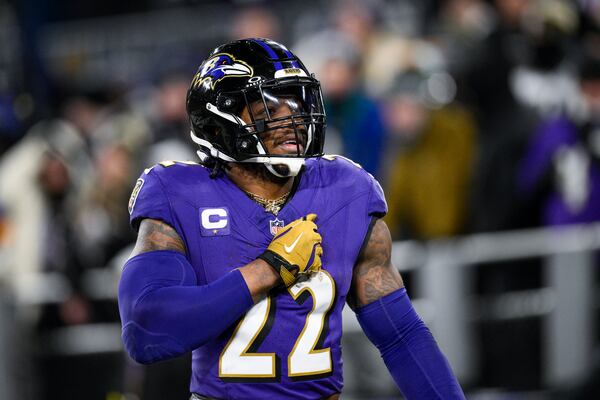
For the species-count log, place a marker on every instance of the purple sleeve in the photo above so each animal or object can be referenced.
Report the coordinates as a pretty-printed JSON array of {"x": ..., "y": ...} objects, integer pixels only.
[
  {"x": 376, "y": 205},
  {"x": 149, "y": 200},
  {"x": 408, "y": 349},
  {"x": 165, "y": 313}
]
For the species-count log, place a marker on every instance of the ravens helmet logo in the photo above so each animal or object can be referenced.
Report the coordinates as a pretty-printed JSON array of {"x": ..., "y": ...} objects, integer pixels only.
[{"x": 218, "y": 67}]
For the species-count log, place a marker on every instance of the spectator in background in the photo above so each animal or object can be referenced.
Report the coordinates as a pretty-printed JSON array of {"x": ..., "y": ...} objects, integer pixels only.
[
  {"x": 461, "y": 27},
  {"x": 562, "y": 167},
  {"x": 255, "y": 21},
  {"x": 356, "y": 20},
  {"x": 33, "y": 199},
  {"x": 170, "y": 123},
  {"x": 517, "y": 75},
  {"x": 58, "y": 240},
  {"x": 354, "y": 122},
  {"x": 504, "y": 123},
  {"x": 117, "y": 140},
  {"x": 430, "y": 151},
  {"x": 51, "y": 180},
  {"x": 37, "y": 193},
  {"x": 100, "y": 210},
  {"x": 562, "y": 163},
  {"x": 67, "y": 178},
  {"x": 387, "y": 36}
]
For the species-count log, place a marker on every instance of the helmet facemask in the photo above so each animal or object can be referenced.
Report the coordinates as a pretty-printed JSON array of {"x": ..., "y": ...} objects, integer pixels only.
[{"x": 278, "y": 123}]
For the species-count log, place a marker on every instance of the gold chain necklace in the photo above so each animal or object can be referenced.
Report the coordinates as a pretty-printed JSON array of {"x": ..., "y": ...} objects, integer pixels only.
[{"x": 272, "y": 206}]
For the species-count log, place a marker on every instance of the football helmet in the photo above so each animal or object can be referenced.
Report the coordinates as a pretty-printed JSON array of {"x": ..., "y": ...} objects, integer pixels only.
[{"x": 256, "y": 79}]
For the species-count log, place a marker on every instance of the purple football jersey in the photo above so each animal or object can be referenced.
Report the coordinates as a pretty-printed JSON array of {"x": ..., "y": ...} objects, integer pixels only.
[{"x": 288, "y": 346}]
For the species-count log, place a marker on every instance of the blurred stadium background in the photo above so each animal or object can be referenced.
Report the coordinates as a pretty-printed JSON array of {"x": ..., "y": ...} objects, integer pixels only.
[{"x": 481, "y": 119}]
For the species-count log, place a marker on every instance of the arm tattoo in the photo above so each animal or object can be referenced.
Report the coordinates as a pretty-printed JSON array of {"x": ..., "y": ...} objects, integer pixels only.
[
  {"x": 157, "y": 235},
  {"x": 374, "y": 274}
]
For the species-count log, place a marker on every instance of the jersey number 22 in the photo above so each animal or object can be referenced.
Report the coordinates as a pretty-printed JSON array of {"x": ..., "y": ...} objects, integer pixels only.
[{"x": 239, "y": 360}]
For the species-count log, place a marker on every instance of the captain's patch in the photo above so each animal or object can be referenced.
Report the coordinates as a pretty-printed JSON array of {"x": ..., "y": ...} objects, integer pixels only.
[{"x": 214, "y": 221}]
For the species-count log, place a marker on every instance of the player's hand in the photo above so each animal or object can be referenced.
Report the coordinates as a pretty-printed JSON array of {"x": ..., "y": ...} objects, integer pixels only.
[{"x": 296, "y": 251}]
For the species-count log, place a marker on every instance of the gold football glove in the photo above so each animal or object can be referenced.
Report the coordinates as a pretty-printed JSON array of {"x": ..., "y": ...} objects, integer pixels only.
[{"x": 296, "y": 251}]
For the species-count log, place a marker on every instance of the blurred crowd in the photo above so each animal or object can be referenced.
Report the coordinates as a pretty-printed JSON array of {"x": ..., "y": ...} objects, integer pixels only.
[{"x": 474, "y": 115}]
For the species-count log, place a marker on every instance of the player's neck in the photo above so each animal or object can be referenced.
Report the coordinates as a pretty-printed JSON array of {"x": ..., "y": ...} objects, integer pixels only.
[{"x": 257, "y": 180}]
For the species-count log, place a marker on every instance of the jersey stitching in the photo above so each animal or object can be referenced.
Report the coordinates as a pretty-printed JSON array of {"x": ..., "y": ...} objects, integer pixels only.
[
  {"x": 354, "y": 198},
  {"x": 165, "y": 192}
]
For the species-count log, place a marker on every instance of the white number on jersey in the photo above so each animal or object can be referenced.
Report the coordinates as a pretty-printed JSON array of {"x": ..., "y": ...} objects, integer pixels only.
[{"x": 238, "y": 361}]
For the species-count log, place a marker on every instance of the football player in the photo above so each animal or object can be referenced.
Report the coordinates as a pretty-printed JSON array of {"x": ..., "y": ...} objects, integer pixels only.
[{"x": 248, "y": 257}]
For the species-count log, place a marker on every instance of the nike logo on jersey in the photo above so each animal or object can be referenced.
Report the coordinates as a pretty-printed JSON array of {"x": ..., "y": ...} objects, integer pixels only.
[{"x": 288, "y": 249}]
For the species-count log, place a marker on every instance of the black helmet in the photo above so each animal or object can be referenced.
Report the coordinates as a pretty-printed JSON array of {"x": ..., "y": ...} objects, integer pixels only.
[{"x": 258, "y": 74}]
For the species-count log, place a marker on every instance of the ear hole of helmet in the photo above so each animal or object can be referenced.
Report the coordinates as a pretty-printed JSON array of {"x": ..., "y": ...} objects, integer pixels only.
[{"x": 212, "y": 130}]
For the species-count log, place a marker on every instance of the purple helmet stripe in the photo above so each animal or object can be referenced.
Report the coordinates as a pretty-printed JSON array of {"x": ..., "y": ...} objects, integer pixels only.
[
  {"x": 290, "y": 55},
  {"x": 271, "y": 53}
]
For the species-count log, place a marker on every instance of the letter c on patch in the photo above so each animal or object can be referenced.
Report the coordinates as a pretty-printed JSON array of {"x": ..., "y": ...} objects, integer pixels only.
[{"x": 214, "y": 218}]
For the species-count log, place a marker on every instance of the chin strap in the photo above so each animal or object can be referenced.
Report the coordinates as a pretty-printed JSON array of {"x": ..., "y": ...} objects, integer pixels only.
[
  {"x": 293, "y": 167},
  {"x": 277, "y": 174},
  {"x": 208, "y": 150}
]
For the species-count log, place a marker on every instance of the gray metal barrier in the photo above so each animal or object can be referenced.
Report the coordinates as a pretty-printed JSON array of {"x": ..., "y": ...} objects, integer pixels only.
[{"x": 567, "y": 301}]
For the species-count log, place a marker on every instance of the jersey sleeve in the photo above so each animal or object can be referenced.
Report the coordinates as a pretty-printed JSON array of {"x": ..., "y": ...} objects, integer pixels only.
[
  {"x": 376, "y": 205},
  {"x": 149, "y": 200}
]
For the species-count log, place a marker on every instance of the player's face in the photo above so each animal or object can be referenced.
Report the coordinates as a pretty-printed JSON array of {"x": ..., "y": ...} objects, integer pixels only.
[{"x": 280, "y": 136}]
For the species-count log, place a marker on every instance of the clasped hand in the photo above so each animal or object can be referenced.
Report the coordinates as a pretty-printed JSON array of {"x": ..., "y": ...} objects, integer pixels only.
[{"x": 296, "y": 251}]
